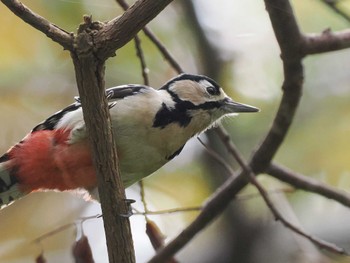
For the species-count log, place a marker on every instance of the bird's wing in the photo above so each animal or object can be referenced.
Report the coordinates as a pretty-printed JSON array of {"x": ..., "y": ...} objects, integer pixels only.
[
  {"x": 51, "y": 122},
  {"x": 121, "y": 92},
  {"x": 113, "y": 94}
]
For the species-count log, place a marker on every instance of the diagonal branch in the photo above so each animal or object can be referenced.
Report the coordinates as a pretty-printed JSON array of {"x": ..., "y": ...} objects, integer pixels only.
[
  {"x": 163, "y": 50},
  {"x": 278, "y": 216},
  {"x": 52, "y": 31},
  {"x": 284, "y": 24},
  {"x": 120, "y": 30},
  {"x": 332, "y": 4},
  {"x": 139, "y": 53},
  {"x": 308, "y": 184}
]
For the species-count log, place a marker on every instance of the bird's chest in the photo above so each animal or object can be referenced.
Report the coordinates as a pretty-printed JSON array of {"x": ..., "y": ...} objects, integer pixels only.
[
  {"x": 147, "y": 148},
  {"x": 142, "y": 148},
  {"x": 143, "y": 145}
]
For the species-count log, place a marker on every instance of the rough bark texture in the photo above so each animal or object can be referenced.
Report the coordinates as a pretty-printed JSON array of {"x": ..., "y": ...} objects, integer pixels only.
[{"x": 89, "y": 74}]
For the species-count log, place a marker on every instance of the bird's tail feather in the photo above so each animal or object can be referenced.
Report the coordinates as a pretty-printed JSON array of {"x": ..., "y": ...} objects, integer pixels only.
[{"x": 8, "y": 184}]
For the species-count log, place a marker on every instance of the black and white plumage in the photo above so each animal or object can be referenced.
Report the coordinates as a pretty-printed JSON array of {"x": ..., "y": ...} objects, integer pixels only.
[{"x": 151, "y": 127}]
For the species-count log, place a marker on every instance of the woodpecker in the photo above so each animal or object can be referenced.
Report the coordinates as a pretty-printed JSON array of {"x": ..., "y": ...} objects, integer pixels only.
[{"x": 151, "y": 128}]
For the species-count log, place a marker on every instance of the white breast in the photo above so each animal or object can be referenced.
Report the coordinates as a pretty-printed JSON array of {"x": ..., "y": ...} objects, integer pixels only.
[{"x": 142, "y": 149}]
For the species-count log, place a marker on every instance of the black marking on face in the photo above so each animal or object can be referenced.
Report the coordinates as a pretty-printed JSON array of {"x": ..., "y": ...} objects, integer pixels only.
[
  {"x": 214, "y": 91},
  {"x": 180, "y": 113},
  {"x": 166, "y": 116},
  {"x": 176, "y": 153}
]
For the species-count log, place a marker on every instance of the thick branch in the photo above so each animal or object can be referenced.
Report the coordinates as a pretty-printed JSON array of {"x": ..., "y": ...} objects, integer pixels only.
[
  {"x": 285, "y": 28},
  {"x": 326, "y": 41},
  {"x": 117, "y": 32},
  {"x": 94, "y": 43},
  {"x": 89, "y": 74},
  {"x": 52, "y": 31},
  {"x": 166, "y": 54},
  {"x": 308, "y": 184}
]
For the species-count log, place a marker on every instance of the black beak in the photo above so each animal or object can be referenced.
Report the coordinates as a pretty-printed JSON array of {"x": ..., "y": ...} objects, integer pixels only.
[{"x": 231, "y": 106}]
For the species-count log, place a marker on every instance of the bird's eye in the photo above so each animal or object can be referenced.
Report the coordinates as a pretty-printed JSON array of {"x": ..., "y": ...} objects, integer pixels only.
[{"x": 212, "y": 90}]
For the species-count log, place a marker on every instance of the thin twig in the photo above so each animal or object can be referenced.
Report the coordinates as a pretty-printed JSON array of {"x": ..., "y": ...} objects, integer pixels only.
[
  {"x": 141, "y": 57},
  {"x": 217, "y": 157},
  {"x": 333, "y": 5},
  {"x": 243, "y": 197},
  {"x": 163, "y": 50},
  {"x": 64, "y": 227},
  {"x": 308, "y": 184},
  {"x": 139, "y": 51},
  {"x": 169, "y": 211},
  {"x": 278, "y": 216},
  {"x": 57, "y": 34},
  {"x": 143, "y": 197}
]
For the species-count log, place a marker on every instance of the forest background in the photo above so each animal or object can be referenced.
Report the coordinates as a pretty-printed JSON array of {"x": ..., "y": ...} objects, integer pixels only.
[{"x": 37, "y": 79}]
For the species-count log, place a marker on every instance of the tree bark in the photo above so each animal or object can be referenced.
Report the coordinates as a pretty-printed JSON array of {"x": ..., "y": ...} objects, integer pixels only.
[{"x": 90, "y": 79}]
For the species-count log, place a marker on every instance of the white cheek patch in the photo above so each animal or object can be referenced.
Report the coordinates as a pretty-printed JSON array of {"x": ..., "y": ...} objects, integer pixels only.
[{"x": 188, "y": 90}]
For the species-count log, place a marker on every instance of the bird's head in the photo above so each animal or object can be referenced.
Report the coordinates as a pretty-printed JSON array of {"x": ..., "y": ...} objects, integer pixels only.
[
  {"x": 201, "y": 92},
  {"x": 198, "y": 100}
]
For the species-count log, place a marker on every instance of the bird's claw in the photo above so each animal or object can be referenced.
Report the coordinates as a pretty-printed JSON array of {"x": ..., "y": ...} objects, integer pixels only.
[{"x": 129, "y": 212}]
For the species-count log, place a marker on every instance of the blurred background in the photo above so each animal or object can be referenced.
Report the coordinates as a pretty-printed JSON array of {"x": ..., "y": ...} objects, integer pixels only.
[{"x": 232, "y": 42}]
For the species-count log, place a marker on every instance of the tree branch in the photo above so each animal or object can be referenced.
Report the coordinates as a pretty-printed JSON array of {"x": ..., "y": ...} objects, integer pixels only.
[
  {"x": 89, "y": 74},
  {"x": 93, "y": 44},
  {"x": 308, "y": 184},
  {"x": 119, "y": 31},
  {"x": 162, "y": 49},
  {"x": 139, "y": 53},
  {"x": 284, "y": 24},
  {"x": 278, "y": 216},
  {"x": 52, "y": 31},
  {"x": 332, "y": 4},
  {"x": 326, "y": 41},
  {"x": 285, "y": 27}
]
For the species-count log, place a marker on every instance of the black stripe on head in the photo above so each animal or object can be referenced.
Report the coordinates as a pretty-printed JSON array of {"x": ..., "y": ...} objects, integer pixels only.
[
  {"x": 196, "y": 78},
  {"x": 181, "y": 112}
]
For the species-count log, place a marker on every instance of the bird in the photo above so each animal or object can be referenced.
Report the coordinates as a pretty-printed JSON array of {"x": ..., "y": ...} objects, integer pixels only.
[{"x": 151, "y": 126}]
